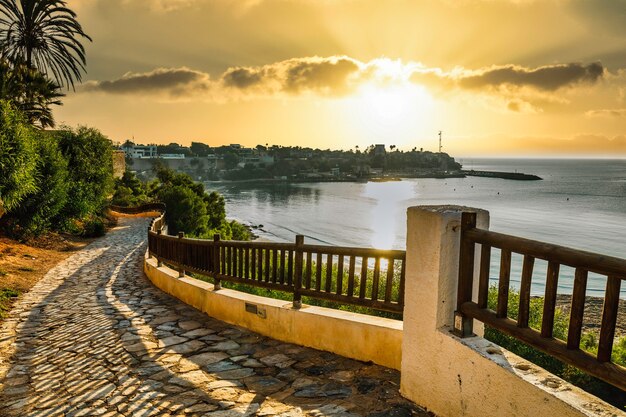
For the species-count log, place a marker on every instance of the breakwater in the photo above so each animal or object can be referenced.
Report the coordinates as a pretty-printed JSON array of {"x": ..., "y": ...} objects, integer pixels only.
[{"x": 518, "y": 176}]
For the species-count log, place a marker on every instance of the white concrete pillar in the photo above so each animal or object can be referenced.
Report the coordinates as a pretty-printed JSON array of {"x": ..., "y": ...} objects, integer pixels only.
[
  {"x": 432, "y": 269},
  {"x": 432, "y": 265}
]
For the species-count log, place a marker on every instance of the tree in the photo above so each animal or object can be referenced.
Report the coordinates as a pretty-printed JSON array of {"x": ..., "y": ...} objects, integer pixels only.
[
  {"x": 44, "y": 34},
  {"x": 18, "y": 158},
  {"x": 130, "y": 191},
  {"x": 231, "y": 160},
  {"x": 30, "y": 91},
  {"x": 200, "y": 149},
  {"x": 91, "y": 170},
  {"x": 185, "y": 210}
]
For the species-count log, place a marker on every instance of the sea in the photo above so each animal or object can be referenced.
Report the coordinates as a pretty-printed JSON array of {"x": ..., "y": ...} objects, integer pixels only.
[{"x": 580, "y": 203}]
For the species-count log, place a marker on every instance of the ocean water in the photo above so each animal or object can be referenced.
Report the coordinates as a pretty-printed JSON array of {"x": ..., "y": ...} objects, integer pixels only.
[{"x": 579, "y": 204}]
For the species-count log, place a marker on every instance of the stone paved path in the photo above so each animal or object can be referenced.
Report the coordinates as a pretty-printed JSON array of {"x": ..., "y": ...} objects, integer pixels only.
[{"x": 95, "y": 338}]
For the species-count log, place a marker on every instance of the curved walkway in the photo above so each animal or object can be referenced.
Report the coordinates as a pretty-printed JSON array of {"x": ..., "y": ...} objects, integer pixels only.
[{"x": 95, "y": 338}]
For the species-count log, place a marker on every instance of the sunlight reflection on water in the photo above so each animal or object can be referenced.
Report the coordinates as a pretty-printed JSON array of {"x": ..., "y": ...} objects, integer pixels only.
[{"x": 383, "y": 223}]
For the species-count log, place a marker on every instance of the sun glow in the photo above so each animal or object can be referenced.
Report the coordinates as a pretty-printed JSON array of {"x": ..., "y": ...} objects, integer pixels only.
[{"x": 390, "y": 112}]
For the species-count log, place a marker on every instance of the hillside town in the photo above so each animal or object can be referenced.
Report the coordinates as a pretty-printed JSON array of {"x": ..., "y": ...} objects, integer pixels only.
[{"x": 235, "y": 162}]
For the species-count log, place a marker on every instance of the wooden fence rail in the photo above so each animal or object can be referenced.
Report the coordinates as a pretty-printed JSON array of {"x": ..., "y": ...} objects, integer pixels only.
[
  {"x": 614, "y": 269},
  {"x": 357, "y": 276}
]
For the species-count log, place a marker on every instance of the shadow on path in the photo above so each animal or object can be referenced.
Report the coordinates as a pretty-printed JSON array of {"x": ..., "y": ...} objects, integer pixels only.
[{"x": 94, "y": 337}]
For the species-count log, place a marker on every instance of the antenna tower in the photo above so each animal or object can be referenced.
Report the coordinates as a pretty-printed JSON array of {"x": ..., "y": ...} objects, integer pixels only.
[{"x": 440, "y": 132}]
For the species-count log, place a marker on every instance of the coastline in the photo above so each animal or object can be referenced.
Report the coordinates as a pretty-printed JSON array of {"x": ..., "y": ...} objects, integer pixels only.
[{"x": 513, "y": 176}]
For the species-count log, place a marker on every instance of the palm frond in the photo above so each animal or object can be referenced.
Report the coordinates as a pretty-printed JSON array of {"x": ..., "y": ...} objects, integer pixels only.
[{"x": 46, "y": 35}]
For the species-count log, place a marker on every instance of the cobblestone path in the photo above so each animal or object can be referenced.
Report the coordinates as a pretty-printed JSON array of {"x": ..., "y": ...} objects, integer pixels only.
[{"x": 95, "y": 338}]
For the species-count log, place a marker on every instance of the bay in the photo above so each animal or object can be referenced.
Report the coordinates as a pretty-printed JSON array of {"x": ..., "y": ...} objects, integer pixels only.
[{"x": 579, "y": 204}]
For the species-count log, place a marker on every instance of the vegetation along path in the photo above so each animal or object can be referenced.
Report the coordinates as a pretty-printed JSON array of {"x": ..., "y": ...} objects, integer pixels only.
[{"x": 94, "y": 337}]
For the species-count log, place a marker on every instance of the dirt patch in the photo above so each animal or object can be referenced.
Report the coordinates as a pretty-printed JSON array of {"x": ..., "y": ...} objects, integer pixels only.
[
  {"x": 22, "y": 264},
  {"x": 592, "y": 319}
]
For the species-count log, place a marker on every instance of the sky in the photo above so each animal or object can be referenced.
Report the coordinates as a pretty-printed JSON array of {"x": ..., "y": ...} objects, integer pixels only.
[{"x": 498, "y": 77}]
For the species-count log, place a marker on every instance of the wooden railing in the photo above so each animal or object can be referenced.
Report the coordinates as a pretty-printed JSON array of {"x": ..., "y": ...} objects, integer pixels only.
[
  {"x": 613, "y": 269},
  {"x": 357, "y": 276}
]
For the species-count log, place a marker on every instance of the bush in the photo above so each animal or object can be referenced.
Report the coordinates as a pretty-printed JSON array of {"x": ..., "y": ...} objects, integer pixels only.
[
  {"x": 18, "y": 159},
  {"x": 571, "y": 374},
  {"x": 89, "y": 157},
  {"x": 93, "y": 227},
  {"x": 130, "y": 191},
  {"x": 186, "y": 211},
  {"x": 34, "y": 215},
  {"x": 191, "y": 209},
  {"x": 239, "y": 231}
]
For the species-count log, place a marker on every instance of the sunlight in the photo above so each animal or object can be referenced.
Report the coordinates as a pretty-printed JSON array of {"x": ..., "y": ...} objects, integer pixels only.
[
  {"x": 390, "y": 111},
  {"x": 387, "y": 215}
]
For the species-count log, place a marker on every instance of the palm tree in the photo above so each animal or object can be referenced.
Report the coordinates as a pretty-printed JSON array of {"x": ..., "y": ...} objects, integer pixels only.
[
  {"x": 44, "y": 34},
  {"x": 30, "y": 91}
]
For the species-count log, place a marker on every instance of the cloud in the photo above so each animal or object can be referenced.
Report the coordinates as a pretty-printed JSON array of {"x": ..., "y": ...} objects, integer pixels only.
[
  {"x": 509, "y": 88},
  {"x": 331, "y": 76},
  {"x": 174, "y": 81},
  {"x": 324, "y": 76},
  {"x": 521, "y": 106},
  {"x": 606, "y": 113},
  {"x": 547, "y": 78},
  {"x": 508, "y": 77}
]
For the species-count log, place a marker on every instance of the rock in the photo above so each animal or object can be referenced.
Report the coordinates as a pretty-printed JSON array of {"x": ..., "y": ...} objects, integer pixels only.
[
  {"x": 278, "y": 360},
  {"x": 221, "y": 366},
  {"x": 173, "y": 340},
  {"x": 227, "y": 345},
  {"x": 393, "y": 412},
  {"x": 264, "y": 385},
  {"x": 331, "y": 389},
  {"x": 252, "y": 363},
  {"x": 198, "y": 333},
  {"x": 241, "y": 411},
  {"x": 189, "y": 325},
  {"x": 222, "y": 384},
  {"x": 236, "y": 373},
  {"x": 208, "y": 358},
  {"x": 187, "y": 347},
  {"x": 366, "y": 385}
]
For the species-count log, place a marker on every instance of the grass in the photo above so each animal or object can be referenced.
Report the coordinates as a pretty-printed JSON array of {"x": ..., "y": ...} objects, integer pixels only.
[
  {"x": 589, "y": 343},
  {"x": 7, "y": 295},
  {"x": 327, "y": 281}
]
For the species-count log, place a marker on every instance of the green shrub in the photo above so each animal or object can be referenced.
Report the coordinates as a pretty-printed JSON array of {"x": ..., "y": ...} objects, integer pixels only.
[
  {"x": 239, "y": 231},
  {"x": 6, "y": 296},
  {"x": 589, "y": 342},
  {"x": 191, "y": 209},
  {"x": 36, "y": 213},
  {"x": 88, "y": 153},
  {"x": 129, "y": 191},
  {"x": 93, "y": 227},
  {"x": 18, "y": 158},
  {"x": 186, "y": 211}
]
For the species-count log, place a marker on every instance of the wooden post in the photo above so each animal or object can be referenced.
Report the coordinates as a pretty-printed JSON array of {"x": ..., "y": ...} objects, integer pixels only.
[
  {"x": 159, "y": 262},
  {"x": 463, "y": 325},
  {"x": 297, "y": 279},
  {"x": 181, "y": 270},
  {"x": 217, "y": 285}
]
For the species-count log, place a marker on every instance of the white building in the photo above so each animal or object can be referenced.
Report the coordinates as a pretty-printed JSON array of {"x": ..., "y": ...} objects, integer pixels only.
[{"x": 140, "y": 151}]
